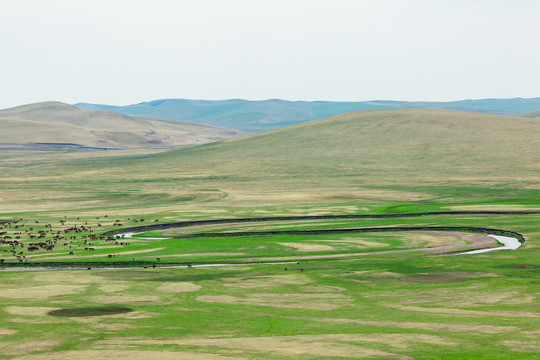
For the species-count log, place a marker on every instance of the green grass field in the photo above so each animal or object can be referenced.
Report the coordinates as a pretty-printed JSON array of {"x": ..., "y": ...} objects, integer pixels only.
[{"x": 361, "y": 295}]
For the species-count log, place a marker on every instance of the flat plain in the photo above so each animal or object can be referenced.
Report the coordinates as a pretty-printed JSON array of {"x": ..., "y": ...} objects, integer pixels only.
[{"x": 404, "y": 294}]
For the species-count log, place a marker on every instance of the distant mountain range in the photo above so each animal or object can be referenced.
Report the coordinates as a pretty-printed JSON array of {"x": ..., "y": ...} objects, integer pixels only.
[
  {"x": 57, "y": 126},
  {"x": 260, "y": 116}
]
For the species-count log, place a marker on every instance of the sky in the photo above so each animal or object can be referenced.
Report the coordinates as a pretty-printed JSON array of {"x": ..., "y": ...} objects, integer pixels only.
[{"x": 128, "y": 51}]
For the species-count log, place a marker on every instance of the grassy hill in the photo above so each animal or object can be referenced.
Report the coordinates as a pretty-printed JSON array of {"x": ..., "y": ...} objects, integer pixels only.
[
  {"x": 377, "y": 157},
  {"x": 59, "y": 123},
  {"x": 382, "y": 144},
  {"x": 530, "y": 114},
  {"x": 259, "y": 116}
]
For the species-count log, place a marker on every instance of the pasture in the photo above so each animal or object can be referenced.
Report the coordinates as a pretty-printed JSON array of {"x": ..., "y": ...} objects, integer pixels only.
[{"x": 402, "y": 294}]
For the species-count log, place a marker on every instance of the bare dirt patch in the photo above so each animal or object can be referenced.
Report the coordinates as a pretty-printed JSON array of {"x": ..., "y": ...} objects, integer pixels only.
[
  {"x": 295, "y": 301},
  {"x": 308, "y": 247},
  {"x": 178, "y": 287},
  {"x": 4, "y": 331},
  {"x": 523, "y": 346},
  {"x": 266, "y": 281},
  {"x": 460, "y": 312},
  {"x": 323, "y": 289},
  {"x": 125, "y": 299},
  {"x": 69, "y": 276},
  {"x": 114, "y": 287},
  {"x": 127, "y": 355},
  {"x": 41, "y": 292},
  {"x": 29, "y": 310},
  {"x": 282, "y": 345},
  {"x": 326, "y": 345},
  {"x": 467, "y": 328},
  {"x": 30, "y": 346},
  {"x": 432, "y": 278}
]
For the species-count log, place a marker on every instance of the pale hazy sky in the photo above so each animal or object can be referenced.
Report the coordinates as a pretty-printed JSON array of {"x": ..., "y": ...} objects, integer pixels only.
[{"x": 127, "y": 51}]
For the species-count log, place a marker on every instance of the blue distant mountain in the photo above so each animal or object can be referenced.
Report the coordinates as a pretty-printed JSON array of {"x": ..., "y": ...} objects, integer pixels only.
[{"x": 259, "y": 116}]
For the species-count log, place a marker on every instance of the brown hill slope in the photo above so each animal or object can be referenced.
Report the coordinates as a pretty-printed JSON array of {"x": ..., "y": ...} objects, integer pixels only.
[{"x": 59, "y": 123}]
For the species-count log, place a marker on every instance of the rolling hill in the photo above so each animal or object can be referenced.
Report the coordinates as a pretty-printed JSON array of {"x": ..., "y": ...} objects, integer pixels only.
[
  {"x": 408, "y": 142},
  {"x": 259, "y": 116},
  {"x": 374, "y": 156},
  {"x": 531, "y": 114},
  {"x": 51, "y": 125}
]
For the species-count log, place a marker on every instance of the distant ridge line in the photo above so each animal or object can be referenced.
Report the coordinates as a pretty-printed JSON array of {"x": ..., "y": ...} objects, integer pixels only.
[{"x": 263, "y": 115}]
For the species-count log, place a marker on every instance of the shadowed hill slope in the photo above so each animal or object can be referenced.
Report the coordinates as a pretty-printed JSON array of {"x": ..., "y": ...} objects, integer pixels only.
[{"x": 56, "y": 122}]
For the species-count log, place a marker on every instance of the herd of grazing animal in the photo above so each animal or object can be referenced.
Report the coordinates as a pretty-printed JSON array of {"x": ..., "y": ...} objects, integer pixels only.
[{"x": 18, "y": 237}]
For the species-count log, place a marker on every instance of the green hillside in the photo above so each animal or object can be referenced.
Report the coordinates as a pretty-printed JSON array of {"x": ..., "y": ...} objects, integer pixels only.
[{"x": 59, "y": 123}]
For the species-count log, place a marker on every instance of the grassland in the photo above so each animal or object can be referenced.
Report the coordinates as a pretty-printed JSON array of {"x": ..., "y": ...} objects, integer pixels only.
[{"x": 408, "y": 304}]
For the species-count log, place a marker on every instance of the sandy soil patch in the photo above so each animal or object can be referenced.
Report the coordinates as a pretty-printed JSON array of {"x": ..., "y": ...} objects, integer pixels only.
[
  {"x": 522, "y": 346},
  {"x": 288, "y": 346},
  {"x": 35, "y": 321},
  {"x": 125, "y": 299},
  {"x": 127, "y": 355},
  {"x": 294, "y": 301},
  {"x": 41, "y": 292},
  {"x": 461, "y": 312},
  {"x": 445, "y": 238},
  {"x": 94, "y": 320},
  {"x": 112, "y": 327},
  {"x": 178, "y": 287},
  {"x": 266, "y": 281},
  {"x": 432, "y": 278},
  {"x": 466, "y": 298},
  {"x": 29, "y": 346},
  {"x": 308, "y": 247},
  {"x": 114, "y": 287},
  {"x": 327, "y": 345},
  {"x": 359, "y": 242},
  {"x": 487, "y": 329},
  {"x": 69, "y": 276},
  {"x": 323, "y": 289},
  {"x": 4, "y": 331},
  {"x": 29, "y": 310}
]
